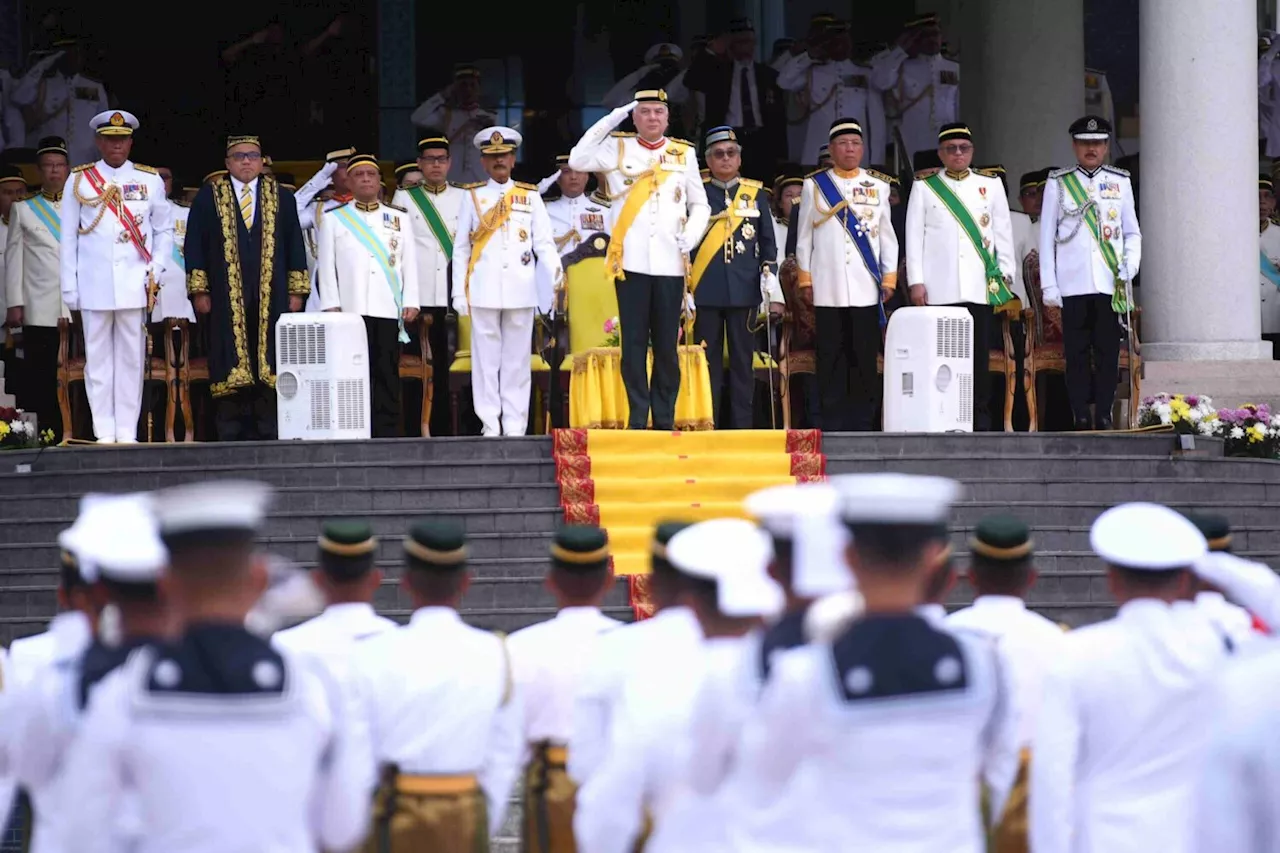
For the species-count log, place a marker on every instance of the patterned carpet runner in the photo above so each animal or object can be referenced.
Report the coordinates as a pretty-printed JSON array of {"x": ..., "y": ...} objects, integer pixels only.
[{"x": 627, "y": 481}]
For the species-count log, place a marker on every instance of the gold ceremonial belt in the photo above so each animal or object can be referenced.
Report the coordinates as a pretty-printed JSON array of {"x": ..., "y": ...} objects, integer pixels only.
[{"x": 438, "y": 786}]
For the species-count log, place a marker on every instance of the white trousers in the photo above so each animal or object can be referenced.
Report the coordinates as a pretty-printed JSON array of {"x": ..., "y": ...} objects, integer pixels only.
[
  {"x": 501, "y": 340},
  {"x": 113, "y": 347}
]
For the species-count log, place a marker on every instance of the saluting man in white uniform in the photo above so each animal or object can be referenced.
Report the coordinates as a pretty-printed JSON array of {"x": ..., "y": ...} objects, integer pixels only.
[
  {"x": 924, "y": 92},
  {"x": 1268, "y": 260},
  {"x": 502, "y": 227},
  {"x": 117, "y": 238}
]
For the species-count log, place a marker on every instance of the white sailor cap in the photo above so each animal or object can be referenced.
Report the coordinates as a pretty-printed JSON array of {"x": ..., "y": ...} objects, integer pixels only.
[
  {"x": 664, "y": 50},
  {"x": 497, "y": 140},
  {"x": 114, "y": 123},
  {"x": 734, "y": 553},
  {"x": 778, "y": 509},
  {"x": 1147, "y": 537},
  {"x": 120, "y": 541},
  {"x": 744, "y": 591},
  {"x": 68, "y": 540},
  {"x": 819, "y": 566},
  {"x": 211, "y": 509},
  {"x": 896, "y": 498}
]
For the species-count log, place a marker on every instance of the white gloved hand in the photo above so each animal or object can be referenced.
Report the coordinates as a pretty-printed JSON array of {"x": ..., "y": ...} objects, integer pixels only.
[
  {"x": 460, "y": 307},
  {"x": 682, "y": 243},
  {"x": 1053, "y": 299},
  {"x": 71, "y": 300}
]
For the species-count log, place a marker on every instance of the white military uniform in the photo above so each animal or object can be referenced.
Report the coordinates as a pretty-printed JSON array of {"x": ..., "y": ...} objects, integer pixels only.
[
  {"x": 459, "y": 125},
  {"x": 826, "y": 254},
  {"x": 500, "y": 294},
  {"x": 62, "y": 106},
  {"x": 106, "y": 278},
  {"x": 572, "y": 221},
  {"x": 349, "y": 276},
  {"x": 1026, "y": 239},
  {"x": 1071, "y": 264},
  {"x": 432, "y": 258},
  {"x": 308, "y": 215},
  {"x": 923, "y": 95},
  {"x": 173, "y": 300},
  {"x": 673, "y": 219},
  {"x": 459, "y": 716},
  {"x": 1269, "y": 247},
  {"x": 311, "y": 224},
  {"x": 332, "y": 636},
  {"x": 832, "y": 90},
  {"x": 940, "y": 254},
  {"x": 32, "y": 261}
]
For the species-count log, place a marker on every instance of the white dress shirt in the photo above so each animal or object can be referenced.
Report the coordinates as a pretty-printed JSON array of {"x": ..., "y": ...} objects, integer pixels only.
[
  {"x": 239, "y": 187},
  {"x": 672, "y": 221},
  {"x": 734, "y": 116},
  {"x": 833, "y": 90},
  {"x": 940, "y": 254},
  {"x": 1268, "y": 245},
  {"x": 1120, "y": 743},
  {"x": 432, "y": 259},
  {"x": 32, "y": 262},
  {"x": 349, "y": 275},
  {"x": 548, "y": 660},
  {"x": 459, "y": 715},
  {"x": 504, "y": 276},
  {"x": 1075, "y": 266},
  {"x": 825, "y": 252}
]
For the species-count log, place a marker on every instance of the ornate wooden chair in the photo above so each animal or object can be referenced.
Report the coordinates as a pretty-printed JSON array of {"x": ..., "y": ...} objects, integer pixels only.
[
  {"x": 71, "y": 361},
  {"x": 417, "y": 367},
  {"x": 797, "y": 353},
  {"x": 191, "y": 369}
]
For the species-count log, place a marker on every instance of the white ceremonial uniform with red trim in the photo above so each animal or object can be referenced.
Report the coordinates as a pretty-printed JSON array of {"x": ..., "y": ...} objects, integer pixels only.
[{"x": 106, "y": 278}]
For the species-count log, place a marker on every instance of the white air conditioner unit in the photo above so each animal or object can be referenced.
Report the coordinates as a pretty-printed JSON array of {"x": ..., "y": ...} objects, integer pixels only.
[
  {"x": 322, "y": 376},
  {"x": 928, "y": 371}
]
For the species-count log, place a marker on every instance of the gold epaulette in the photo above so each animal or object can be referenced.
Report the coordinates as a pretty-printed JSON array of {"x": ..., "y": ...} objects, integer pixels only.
[
  {"x": 471, "y": 186},
  {"x": 621, "y": 134},
  {"x": 30, "y": 196},
  {"x": 751, "y": 182},
  {"x": 522, "y": 185},
  {"x": 681, "y": 141},
  {"x": 705, "y": 174},
  {"x": 888, "y": 179},
  {"x": 924, "y": 173},
  {"x": 458, "y": 186},
  {"x": 1117, "y": 170},
  {"x": 394, "y": 207},
  {"x": 82, "y": 168},
  {"x": 987, "y": 173},
  {"x": 150, "y": 170},
  {"x": 600, "y": 200},
  {"x": 815, "y": 172}
]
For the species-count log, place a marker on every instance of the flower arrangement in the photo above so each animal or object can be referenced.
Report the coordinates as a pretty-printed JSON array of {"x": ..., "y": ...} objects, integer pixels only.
[
  {"x": 19, "y": 434},
  {"x": 1188, "y": 414},
  {"x": 1250, "y": 430},
  {"x": 612, "y": 332}
]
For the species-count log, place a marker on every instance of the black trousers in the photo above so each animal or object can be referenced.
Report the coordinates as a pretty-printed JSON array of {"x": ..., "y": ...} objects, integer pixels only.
[
  {"x": 1090, "y": 326},
  {"x": 246, "y": 415},
  {"x": 40, "y": 380},
  {"x": 848, "y": 383},
  {"x": 1275, "y": 346},
  {"x": 384, "y": 376},
  {"x": 441, "y": 422},
  {"x": 982, "y": 317},
  {"x": 713, "y": 325},
  {"x": 649, "y": 309}
]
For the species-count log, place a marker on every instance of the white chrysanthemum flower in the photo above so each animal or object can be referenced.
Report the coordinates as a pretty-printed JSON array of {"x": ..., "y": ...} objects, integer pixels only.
[
  {"x": 1237, "y": 432},
  {"x": 1207, "y": 427}
]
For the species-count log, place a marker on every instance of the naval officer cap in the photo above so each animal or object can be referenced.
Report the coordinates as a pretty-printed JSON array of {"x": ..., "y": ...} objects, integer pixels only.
[
  {"x": 121, "y": 541},
  {"x": 114, "y": 123},
  {"x": 406, "y": 166},
  {"x": 925, "y": 20},
  {"x": 580, "y": 548},
  {"x": 51, "y": 145},
  {"x": 1090, "y": 129},
  {"x": 1214, "y": 528},
  {"x": 733, "y": 553},
  {"x": 339, "y": 155},
  {"x": 651, "y": 96},
  {"x": 1032, "y": 180},
  {"x": 663, "y": 533},
  {"x": 1001, "y": 539},
  {"x": 910, "y": 499},
  {"x": 212, "y": 513},
  {"x": 664, "y": 52},
  {"x": 1146, "y": 537},
  {"x": 436, "y": 545},
  {"x": 347, "y": 549},
  {"x": 497, "y": 140}
]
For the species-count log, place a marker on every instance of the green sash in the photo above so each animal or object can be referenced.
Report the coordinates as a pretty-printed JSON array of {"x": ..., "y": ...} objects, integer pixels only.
[
  {"x": 1119, "y": 303},
  {"x": 434, "y": 220},
  {"x": 998, "y": 292},
  {"x": 373, "y": 244}
]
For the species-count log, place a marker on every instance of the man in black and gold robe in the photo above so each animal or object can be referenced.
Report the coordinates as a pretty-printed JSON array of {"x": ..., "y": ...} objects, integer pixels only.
[{"x": 246, "y": 265}]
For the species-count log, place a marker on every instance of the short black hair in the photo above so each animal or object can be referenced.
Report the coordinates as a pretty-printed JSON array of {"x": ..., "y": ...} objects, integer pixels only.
[{"x": 895, "y": 544}]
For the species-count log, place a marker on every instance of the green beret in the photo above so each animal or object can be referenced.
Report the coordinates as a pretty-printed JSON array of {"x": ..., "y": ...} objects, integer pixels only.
[
  {"x": 580, "y": 548},
  {"x": 1216, "y": 530},
  {"x": 1002, "y": 538},
  {"x": 661, "y": 536},
  {"x": 436, "y": 544},
  {"x": 347, "y": 548}
]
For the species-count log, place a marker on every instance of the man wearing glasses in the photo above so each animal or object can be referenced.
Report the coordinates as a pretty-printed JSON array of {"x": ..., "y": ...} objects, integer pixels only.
[
  {"x": 242, "y": 289},
  {"x": 960, "y": 247}
]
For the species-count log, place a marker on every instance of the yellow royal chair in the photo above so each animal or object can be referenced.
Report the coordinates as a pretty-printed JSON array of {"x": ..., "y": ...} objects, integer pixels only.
[{"x": 460, "y": 368}]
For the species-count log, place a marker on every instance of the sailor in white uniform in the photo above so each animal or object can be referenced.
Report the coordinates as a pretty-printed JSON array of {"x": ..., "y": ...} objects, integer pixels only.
[
  {"x": 62, "y": 103},
  {"x": 311, "y": 209},
  {"x": 117, "y": 239},
  {"x": 1269, "y": 262}
]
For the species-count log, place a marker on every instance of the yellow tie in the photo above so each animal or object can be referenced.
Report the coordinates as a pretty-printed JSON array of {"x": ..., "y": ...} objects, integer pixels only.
[{"x": 246, "y": 206}]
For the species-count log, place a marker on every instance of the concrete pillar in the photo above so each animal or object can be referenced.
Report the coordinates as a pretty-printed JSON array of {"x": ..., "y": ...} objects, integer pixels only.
[
  {"x": 396, "y": 76},
  {"x": 1199, "y": 257},
  {"x": 1022, "y": 81},
  {"x": 771, "y": 26}
]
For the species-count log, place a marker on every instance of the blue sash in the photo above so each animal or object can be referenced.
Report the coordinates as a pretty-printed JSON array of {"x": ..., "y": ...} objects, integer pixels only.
[
  {"x": 46, "y": 214},
  {"x": 857, "y": 233},
  {"x": 1269, "y": 269},
  {"x": 370, "y": 241}
]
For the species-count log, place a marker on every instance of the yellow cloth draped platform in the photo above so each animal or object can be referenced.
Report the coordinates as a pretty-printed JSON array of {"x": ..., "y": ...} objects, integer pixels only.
[
  {"x": 630, "y": 480},
  {"x": 598, "y": 399}
]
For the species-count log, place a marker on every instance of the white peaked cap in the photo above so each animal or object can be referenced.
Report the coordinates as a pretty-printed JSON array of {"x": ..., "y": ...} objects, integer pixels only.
[
  {"x": 212, "y": 505},
  {"x": 119, "y": 541},
  {"x": 896, "y": 498},
  {"x": 1148, "y": 537},
  {"x": 778, "y": 509}
]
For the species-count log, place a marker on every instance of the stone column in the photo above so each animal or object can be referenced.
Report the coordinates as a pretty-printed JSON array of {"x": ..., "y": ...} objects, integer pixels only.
[
  {"x": 396, "y": 76},
  {"x": 772, "y": 26},
  {"x": 1022, "y": 81},
  {"x": 1201, "y": 317}
]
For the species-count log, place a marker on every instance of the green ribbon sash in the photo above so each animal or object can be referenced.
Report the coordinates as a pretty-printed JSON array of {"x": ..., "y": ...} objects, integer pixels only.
[
  {"x": 1119, "y": 301},
  {"x": 373, "y": 244},
  {"x": 998, "y": 292},
  {"x": 434, "y": 220}
]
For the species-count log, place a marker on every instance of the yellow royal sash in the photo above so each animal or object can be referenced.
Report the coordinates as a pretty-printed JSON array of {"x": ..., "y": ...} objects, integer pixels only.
[
  {"x": 723, "y": 227},
  {"x": 489, "y": 224},
  {"x": 644, "y": 186}
]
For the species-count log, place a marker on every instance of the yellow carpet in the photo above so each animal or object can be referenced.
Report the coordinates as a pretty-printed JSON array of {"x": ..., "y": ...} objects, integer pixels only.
[{"x": 629, "y": 481}]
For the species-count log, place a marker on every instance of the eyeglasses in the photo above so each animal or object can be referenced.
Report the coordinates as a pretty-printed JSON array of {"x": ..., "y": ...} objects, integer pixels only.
[
  {"x": 435, "y": 159},
  {"x": 724, "y": 153},
  {"x": 956, "y": 149},
  {"x": 246, "y": 156}
]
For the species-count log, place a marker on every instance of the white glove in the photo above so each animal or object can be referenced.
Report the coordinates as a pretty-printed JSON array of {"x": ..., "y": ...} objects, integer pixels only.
[
  {"x": 1053, "y": 299},
  {"x": 460, "y": 307},
  {"x": 682, "y": 243},
  {"x": 547, "y": 182},
  {"x": 1253, "y": 586},
  {"x": 71, "y": 300}
]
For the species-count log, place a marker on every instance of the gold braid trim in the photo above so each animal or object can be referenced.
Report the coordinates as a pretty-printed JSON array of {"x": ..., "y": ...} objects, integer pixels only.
[
  {"x": 197, "y": 282},
  {"x": 564, "y": 555},
  {"x": 299, "y": 283},
  {"x": 347, "y": 549},
  {"x": 414, "y": 548},
  {"x": 269, "y": 198},
  {"x": 995, "y": 552},
  {"x": 110, "y": 195},
  {"x": 228, "y": 214}
]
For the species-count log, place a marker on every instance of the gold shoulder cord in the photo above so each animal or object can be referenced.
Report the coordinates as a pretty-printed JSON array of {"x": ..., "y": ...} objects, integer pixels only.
[{"x": 110, "y": 194}]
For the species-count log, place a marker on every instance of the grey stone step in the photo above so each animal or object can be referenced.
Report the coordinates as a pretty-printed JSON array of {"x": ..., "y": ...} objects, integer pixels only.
[
  {"x": 1045, "y": 443},
  {"x": 1051, "y": 468}
]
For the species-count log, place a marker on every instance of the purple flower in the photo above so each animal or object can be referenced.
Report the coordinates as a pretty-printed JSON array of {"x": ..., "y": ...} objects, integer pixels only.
[
  {"x": 1193, "y": 401},
  {"x": 1148, "y": 401}
]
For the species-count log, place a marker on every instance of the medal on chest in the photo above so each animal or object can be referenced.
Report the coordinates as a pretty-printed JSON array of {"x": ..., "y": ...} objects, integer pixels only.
[{"x": 748, "y": 230}]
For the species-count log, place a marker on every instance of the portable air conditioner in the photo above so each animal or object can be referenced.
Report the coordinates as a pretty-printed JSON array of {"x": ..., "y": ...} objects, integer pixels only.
[
  {"x": 928, "y": 371},
  {"x": 322, "y": 376}
]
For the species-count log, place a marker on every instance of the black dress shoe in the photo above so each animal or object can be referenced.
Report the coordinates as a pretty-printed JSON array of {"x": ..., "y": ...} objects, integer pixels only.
[
  {"x": 1103, "y": 423},
  {"x": 1083, "y": 425}
]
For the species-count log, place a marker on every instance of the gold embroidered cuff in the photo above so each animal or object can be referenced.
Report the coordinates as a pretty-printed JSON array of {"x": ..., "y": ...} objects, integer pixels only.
[
  {"x": 197, "y": 282},
  {"x": 889, "y": 281},
  {"x": 299, "y": 283},
  {"x": 803, "y": 279}
]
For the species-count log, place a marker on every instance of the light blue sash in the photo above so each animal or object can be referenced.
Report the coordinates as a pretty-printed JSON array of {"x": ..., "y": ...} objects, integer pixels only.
[
  {"x": 1269, "y": 269},
  {"x": 370, "y": 241},
  {"x": 46, "y": 214}
]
